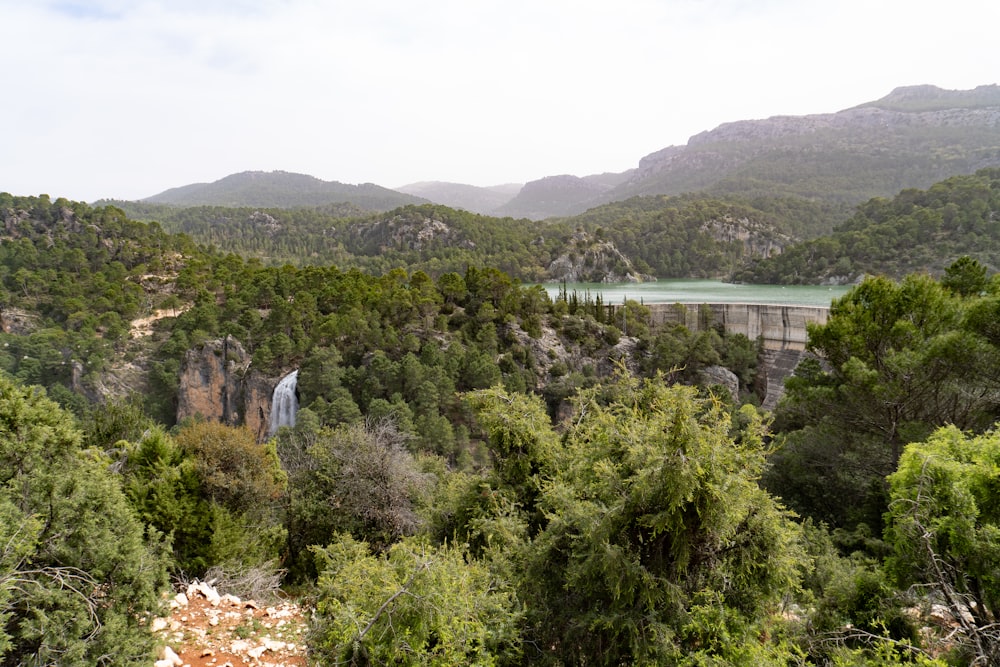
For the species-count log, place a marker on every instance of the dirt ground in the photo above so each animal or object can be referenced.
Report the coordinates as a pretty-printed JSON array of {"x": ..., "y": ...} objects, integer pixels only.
[{"x": 205, "y": 629}]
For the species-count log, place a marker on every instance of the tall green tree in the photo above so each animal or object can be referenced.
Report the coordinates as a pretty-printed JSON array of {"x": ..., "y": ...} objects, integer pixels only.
[
  {"x": 78, "y": 580},
  {"x": 944, "y": 529},
  {"x": 897, "y": 362},
  {"x": 657, "y": 544}
]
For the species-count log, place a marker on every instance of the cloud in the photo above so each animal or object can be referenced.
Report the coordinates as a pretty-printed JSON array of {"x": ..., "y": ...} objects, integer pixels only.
[{"x": 127, "y": 98}]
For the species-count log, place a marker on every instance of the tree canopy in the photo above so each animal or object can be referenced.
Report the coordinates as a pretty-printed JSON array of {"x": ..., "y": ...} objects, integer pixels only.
[{"x": 79, "y": 577}]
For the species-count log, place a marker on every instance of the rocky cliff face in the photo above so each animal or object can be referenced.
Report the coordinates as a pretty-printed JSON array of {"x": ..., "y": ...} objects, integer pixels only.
[
  {"x": 216, "y": 382},
  {"x": 859, "y": 118},
  {"x": 913, "y": 137},
  {"x": 758, "y": 239},
  {"x": 210, "y": 381},
  {"x": 592, "y": 260},
  {"x": 411, "y": 230}
]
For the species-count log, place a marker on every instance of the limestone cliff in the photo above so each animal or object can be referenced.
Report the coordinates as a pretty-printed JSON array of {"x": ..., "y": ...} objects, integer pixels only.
[
  {"x": 912, "y": 138},
  {"x": 757, "y": 238},
  {"x": 217, "y": 383},
  {"x": 210, "y": 381},
  {"x": 256, "y": 401},
  {"x": 592, "y": 260}
]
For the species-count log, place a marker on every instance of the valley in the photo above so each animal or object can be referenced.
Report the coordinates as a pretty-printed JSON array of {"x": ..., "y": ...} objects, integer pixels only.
[{"x": 734, "y": 406}]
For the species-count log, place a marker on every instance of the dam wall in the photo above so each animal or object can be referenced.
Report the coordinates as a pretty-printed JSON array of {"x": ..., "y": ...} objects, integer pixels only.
[{"x": 780, "y": 327}]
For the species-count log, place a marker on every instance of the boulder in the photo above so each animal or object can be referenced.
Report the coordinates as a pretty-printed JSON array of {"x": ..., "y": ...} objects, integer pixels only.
[{"x": 720, "y": 375}]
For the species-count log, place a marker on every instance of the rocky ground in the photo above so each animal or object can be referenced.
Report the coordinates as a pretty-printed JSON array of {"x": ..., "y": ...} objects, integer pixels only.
[{"x": 205, "y": 629}]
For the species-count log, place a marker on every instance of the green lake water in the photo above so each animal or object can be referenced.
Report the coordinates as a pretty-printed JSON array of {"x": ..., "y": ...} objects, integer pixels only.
[{"x": 703, "y": 291}]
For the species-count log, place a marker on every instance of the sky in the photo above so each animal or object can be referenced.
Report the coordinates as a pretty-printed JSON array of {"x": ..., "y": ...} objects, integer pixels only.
[{"x": 124, "y": 99}]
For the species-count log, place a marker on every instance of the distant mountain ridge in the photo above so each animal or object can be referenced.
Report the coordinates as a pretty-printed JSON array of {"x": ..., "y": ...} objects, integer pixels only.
[
  {"x": 932, "y": 98},
  {"x": 911, "y": 138},
  {"x": 472, "y": 198},
  {"x": 562, "y": 195},
  {"x": 282, "y": 189}
]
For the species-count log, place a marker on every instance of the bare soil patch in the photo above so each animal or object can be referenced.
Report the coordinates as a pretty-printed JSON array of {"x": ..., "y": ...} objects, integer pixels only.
[{"x": 205, "y": 629}]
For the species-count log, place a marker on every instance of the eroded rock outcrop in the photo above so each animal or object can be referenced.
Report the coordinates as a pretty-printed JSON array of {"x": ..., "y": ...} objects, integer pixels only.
[
  {"x": 592, "y": 260},
  {"x": 720, "y": 375},
  {"x": 210, "y": 381},
  {"x": 758, "y": 238},
  {"x": 217, "y": 383}
]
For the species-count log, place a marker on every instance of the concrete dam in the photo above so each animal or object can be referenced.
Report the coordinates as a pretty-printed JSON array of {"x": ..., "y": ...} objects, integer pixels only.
[{"x": 780, "y": 328}]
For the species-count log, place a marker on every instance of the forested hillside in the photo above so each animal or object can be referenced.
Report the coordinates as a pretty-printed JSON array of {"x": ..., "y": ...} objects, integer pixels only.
[
  {"x": 281, "y": 189},
  {"x": 666, "y": 237},
  {"x": 478, "y": 474},
  {"x": 917, "y": 230}
]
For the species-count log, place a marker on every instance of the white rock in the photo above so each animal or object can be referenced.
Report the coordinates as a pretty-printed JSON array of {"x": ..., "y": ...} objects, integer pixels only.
[
  {"x": 239, "y": 646},
  {"x": 205, "y": 590},
  {"x": 255, "y": 653},
  {"x": 168, "y": 654},
  {"x": 158, "y": 624},
  {"x": 210, "y": 593},
  {"x": 273, "y": 645}
]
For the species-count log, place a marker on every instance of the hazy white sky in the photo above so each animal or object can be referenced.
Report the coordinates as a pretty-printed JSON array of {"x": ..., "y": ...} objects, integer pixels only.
[{"x": 124, "y": 99}]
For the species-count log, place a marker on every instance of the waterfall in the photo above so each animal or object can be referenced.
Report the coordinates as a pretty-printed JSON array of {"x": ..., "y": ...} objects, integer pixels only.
[{"x": 284, "y": 403}]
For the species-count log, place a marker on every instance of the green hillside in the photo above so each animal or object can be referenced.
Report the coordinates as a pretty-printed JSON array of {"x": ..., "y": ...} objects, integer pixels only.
[
  {"x": 476, "y": 463},
  {"x": 916, "y": 231},
  {"x": 280, "y": 189},
  {"x": 688, "y": 236}
]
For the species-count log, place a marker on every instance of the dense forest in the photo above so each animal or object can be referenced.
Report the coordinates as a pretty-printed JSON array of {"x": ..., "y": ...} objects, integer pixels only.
[
  {"x": 666, "y": 237},
  {"x": 282, "y": 189},
  {"x": 765, "y": 240},
  {"x": 479, "y": 474},
  {"x": 917, "y": 230}
]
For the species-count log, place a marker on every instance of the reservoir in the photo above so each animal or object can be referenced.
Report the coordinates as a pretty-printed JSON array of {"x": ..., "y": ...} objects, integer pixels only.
[{"x": 702, "y": 291}]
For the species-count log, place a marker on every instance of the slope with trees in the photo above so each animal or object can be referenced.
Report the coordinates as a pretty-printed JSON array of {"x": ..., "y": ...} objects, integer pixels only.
[
  {"x": 917, "y": 230},
  {"x": 688, "y": 236},
  {"x": 281, "y": 189},
  {"x": 469, "y": 448},
  {"x": 79, "y": 575}
]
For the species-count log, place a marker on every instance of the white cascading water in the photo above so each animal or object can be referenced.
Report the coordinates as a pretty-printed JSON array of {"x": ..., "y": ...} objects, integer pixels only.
[{"x": 284, "y": 403}]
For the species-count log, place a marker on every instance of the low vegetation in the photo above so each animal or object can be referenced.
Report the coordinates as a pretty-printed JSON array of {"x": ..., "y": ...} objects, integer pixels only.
[{"x": 480, "y": 474}]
